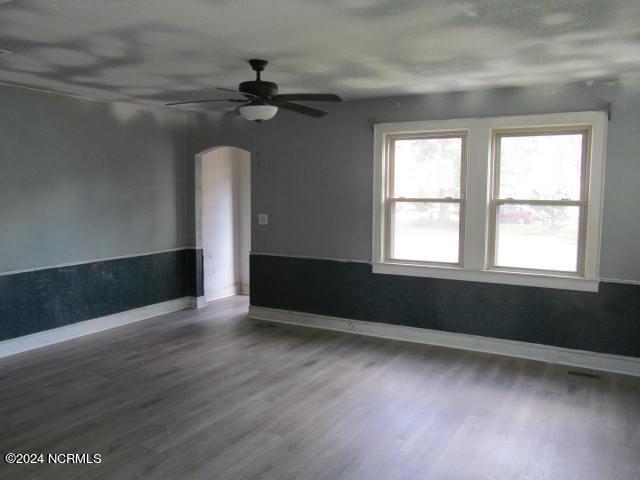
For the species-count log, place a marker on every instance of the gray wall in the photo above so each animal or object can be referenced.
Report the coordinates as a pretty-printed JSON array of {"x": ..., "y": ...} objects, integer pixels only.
[
  {"x": 82, "y": 180},
  {"x": 314, "y": 177}
]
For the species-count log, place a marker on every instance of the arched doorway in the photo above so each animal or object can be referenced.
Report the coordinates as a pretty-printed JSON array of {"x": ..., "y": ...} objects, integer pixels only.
[{"x": 223, "y": 220}]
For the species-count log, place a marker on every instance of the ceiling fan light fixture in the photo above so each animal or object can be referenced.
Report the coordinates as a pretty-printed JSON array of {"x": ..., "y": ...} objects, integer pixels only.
[
  {"x": 258, "y": 113},
  {"x": 262, "y": 101}
]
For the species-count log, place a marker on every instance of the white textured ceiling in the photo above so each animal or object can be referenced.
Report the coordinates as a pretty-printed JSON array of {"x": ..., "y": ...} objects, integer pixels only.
[{"x": 153, "y": 51}]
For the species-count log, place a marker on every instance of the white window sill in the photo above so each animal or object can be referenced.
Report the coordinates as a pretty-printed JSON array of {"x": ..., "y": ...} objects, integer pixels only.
[{"x": 490, "y": 276}]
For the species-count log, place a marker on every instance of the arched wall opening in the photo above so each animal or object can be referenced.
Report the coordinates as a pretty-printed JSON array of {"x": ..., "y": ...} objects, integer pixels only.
[{"x": 223, "y": 220}]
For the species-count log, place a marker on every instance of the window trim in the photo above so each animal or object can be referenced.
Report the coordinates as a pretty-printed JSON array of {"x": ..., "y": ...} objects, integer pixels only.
[{"x": 475, "y": 263}]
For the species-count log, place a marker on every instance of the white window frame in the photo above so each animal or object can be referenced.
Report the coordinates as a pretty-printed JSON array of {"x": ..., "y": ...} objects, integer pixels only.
[{"x": 476, "y": 262}]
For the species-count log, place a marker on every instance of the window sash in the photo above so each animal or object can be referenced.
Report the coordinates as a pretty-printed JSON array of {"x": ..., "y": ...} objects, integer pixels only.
[
  {"x": 493, "y": 250},
  {"x": 390, "y": 230},
  {"x": 582, "y": 203},
  {"x": 498, "y": 134}
]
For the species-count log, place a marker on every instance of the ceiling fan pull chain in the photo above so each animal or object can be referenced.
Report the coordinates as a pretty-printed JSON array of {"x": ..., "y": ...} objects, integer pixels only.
[{"x": 258, "y": 143}]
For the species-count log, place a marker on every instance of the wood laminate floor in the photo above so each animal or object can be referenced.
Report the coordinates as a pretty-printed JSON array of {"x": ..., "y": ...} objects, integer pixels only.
[{"x": 211, "y": 394}]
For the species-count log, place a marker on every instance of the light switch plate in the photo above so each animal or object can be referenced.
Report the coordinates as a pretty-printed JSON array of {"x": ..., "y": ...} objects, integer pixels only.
[{"x": 263, "y": 219}]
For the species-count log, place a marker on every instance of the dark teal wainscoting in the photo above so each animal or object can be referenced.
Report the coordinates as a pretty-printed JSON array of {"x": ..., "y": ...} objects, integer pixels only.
[
  {"x": 43, "y": 299},
  {"x": 606, "y": 322}
]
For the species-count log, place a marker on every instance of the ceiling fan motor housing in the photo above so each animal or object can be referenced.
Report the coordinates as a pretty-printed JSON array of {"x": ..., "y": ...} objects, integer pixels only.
[{"x": 259, "y": 88}]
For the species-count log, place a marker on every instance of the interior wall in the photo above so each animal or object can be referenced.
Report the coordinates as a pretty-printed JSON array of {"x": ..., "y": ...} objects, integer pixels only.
[
  {"x": 226, "y": 213},
  {"x": 82, "y": 180},
  {"x": 242, "y": 225},
  {"x": 605, "y": 322},
  {"x": 314, "y": 177}
]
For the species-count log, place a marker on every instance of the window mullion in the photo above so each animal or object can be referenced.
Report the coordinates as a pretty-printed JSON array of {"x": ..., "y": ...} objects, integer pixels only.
[{"x": 476, "y": 198}]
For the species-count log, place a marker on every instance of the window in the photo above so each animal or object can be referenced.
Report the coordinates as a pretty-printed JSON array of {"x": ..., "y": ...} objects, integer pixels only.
[
  {"x": 424, "y": 199},
  {"x": 503, "y": 200},
  {"x": 539, "y": 199}
]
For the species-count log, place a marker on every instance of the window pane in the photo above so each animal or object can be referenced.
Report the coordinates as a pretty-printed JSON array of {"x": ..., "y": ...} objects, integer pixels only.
[
  {"x": 541, "y": 167},
  {"x": 538, "y": 237},
  {"x": 426, "y": 232},
  {"x": 427, "y": 168}
]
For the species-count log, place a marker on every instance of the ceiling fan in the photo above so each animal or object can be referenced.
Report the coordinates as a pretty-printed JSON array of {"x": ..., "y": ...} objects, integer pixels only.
[{"x": 261, "y": 99}]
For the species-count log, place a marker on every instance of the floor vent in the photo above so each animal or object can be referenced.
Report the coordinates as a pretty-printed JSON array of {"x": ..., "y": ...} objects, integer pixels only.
[{"x": 584, "y": 374}]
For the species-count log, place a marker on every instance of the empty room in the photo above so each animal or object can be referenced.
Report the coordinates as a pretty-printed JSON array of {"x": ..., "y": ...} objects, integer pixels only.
[{"x": 324, "y": 240}]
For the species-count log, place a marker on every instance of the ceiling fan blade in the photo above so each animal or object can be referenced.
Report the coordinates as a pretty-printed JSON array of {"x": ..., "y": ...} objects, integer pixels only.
[
  {"x": 237, "y": 91},
  {"x": 235, "y": 100},
  {"x": 310, "y": 97},
  {"x": 295, "y": 107},
  {"x": 233, "y": 113}
]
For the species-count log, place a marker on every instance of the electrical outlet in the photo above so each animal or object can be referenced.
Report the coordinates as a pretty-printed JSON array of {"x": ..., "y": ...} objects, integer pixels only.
[{"x": 263, "y": 219}]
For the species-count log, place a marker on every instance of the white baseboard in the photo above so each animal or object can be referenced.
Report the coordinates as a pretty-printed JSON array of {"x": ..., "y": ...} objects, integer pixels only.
[
  {"x": 87, "y": 327},
  {"x": 243, "y": 289},
  {"x": 532, "y": 351},
  {"x": 220, "y": 293},
  {"x": 197, "y": 302}
]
